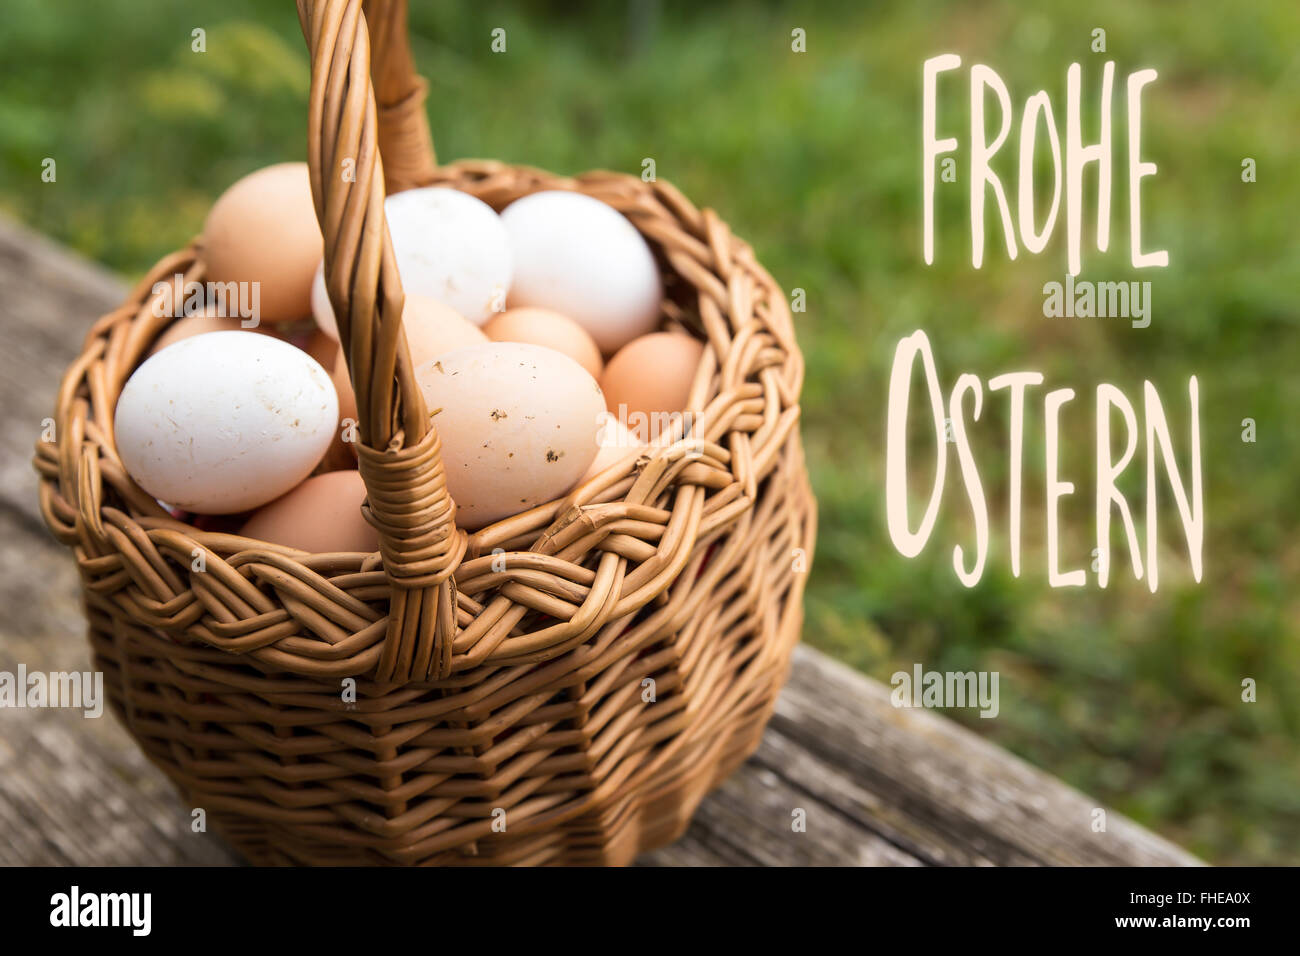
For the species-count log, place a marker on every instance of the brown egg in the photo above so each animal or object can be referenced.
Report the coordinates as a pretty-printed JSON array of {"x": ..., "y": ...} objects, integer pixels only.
[
  {"x": 550, "y": 330},
  {"x": 342, "y": 454},
  {"x": 197, "y": 324},
  {"x": 343, "y": 385},
  {"x": 323, "y": 514},
  {"x": 320, "y": 347},
  {"x": 651, "y": 374},
  {"x": 326, "y": 351},
  {"x": 433, "y": 329},
  {"x": 263, "y": 229}
]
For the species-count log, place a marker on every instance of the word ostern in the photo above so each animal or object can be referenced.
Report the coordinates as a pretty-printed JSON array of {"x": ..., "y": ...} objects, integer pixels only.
[{"x": 950, "y": 420}]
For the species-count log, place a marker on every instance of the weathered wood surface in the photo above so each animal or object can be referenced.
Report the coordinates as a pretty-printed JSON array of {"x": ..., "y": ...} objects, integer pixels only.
[{"x": 878, "y": 785}]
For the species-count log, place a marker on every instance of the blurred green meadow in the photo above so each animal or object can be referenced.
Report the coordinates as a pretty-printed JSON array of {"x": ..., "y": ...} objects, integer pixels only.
[{"x": 815, "y": 158}]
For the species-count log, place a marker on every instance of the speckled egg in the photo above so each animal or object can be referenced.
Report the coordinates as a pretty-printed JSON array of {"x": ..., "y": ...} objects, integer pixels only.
[{"x": 518, "y": 424}]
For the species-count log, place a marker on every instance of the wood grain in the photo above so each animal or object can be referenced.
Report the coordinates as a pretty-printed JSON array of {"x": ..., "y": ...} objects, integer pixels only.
[{"x": 876, "y": 785}]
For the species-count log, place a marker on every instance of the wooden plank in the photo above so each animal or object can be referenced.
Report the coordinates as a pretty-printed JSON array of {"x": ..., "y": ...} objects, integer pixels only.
[
  {"x": 932, "y": 787},
  {"x": 876, "y": 785},
  {"x": 48, "y": 300},
  {"x": 73, "y": 789}
]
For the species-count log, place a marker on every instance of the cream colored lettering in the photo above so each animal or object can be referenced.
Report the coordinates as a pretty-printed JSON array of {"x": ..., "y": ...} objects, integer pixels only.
[{"x": 1159, "y": 443}]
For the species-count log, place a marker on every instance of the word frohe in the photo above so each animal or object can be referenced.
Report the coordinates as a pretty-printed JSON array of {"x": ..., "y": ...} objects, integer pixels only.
[{"x": 1077, "y": 155}]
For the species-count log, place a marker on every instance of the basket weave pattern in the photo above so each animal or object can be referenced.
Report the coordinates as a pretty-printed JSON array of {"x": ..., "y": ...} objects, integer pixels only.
[{"x": 561, "y": 687}]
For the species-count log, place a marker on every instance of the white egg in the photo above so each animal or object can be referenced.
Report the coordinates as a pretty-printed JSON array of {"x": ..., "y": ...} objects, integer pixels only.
[
  {"x": 518, "y": 424},
  {"x": 225, "y": 421},
  {"x": 322, "y": 310},
  {"x": 580, "y": 257},
  {"x": 452, "y": 248}
]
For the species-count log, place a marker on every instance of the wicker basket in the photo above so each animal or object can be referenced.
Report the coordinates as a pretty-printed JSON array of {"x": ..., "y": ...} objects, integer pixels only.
[{"x": 503, "y": 711}]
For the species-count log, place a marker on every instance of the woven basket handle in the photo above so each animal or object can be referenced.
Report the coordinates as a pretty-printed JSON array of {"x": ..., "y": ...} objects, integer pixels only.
[{"x": 398, "y": 452}]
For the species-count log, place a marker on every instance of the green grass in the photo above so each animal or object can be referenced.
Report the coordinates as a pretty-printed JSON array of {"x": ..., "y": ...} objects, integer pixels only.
[{"x": 815, "y": 158}]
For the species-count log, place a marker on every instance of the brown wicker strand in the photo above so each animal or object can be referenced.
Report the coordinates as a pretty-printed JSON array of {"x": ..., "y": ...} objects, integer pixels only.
[{"x": 399, "y": 453}]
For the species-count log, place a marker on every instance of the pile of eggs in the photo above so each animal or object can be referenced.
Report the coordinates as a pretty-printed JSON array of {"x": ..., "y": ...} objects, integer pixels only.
[{"x": 532, "y": 334}]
